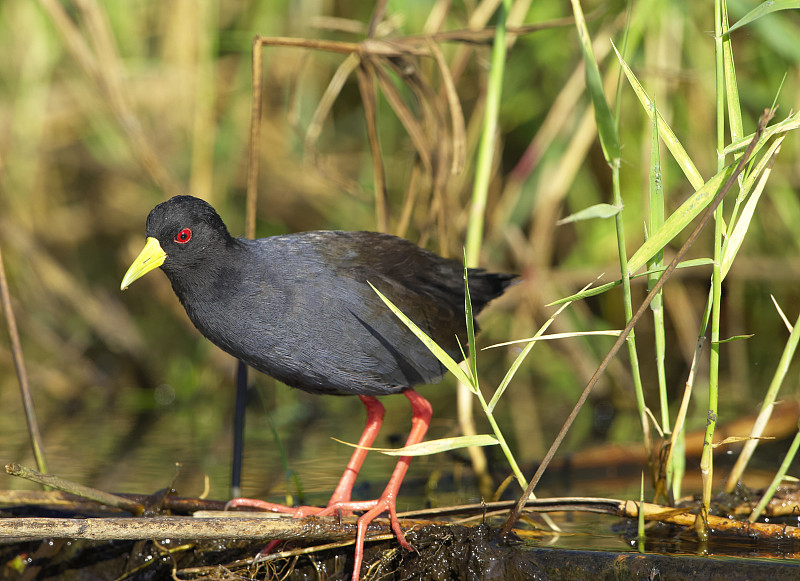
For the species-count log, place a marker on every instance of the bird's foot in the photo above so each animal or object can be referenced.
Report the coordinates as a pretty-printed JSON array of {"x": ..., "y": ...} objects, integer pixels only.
[
  {"x": 386, "y": 503},
  {"x": 335, "y": 507}
]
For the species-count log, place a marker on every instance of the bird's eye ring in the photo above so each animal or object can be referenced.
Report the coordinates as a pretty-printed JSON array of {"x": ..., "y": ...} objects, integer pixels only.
[{"x": 183, "y": 236}]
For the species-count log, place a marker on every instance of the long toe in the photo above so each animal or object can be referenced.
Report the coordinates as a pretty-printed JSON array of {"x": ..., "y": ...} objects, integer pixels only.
[
  {"x": 298, "y": 511},
  {"x": 260, "y": 504},
  {"x": 387, "y": 503}
]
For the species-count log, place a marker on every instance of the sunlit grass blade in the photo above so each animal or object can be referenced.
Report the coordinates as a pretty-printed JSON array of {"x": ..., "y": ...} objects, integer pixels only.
[
  {"x": 781, "y": 314},
  {"x": 715, "y": 295},
  {"x": 664, "y": 131},
  {"x": 736, "y": 237},
  {"x": 431, "y": 447},
  {"x": 791, "y": 123},
  {"x": 488, "y": 139},
  {"x": 766, "y": 407},
  {"x": 731, "y": 86},
  {"x": 554, "y": 336},
  {"x": 656, "y": 220},
  {"x": 680, "y": 218},
  {"x": 609, "y": 139},
  {"x": 778, "y": 479},
  {"x": 606, "y": 127},
  {"x": 520, "y": 358},
  {"x": 754, "y": 173},
  {"x": 762, "y": 10},
  {"x": 592, "y": 212},
  {"x": 609, "y": 285},
  {"x": 473, "y": 359},
  {"x": 734, "y": 338},
  {"x": 434, "y": 348}
]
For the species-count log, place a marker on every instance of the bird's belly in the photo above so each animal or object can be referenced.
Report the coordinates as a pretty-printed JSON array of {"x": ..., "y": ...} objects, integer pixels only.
[{"x": 343, "y": 360}]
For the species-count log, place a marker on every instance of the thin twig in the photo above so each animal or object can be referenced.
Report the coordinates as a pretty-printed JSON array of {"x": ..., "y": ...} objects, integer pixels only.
[
  {"x": 22, "y": 375},
  {"x": 77, "y": 489},
  {"x": 255, "y": 141}
]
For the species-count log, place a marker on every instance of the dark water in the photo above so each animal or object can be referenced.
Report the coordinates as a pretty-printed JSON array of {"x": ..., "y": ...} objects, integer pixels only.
[
  {"x": 125, "y": 450},
  {"x": 134, "y": 448}
]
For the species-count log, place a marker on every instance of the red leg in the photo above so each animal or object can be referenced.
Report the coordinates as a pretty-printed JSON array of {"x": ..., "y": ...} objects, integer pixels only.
[
  {"x": 340, "y": 501},
  {"x": 341, "y": 495},
  {"x": 420, "y": 420},
  {"x": 375, "y": 412}
]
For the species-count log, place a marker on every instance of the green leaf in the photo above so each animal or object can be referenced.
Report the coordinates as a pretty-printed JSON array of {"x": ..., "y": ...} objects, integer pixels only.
[
  {"x": 554, "y": 336},
  {"x": 735, "y": 239},
  {"x": 664, "y": 130},
  {"x": 592, "y": 212},
  {"x": 606, "y": 127},
  {"x": 656, "y": 191},
  {"x": 762, "y": 10},
  {"x": 609, "y": 285},
  {"x": 734, "y": 338},
  {"x": 731, "y": 85},
  {"x": 473, "y": 354},
  {"x": 433, "y": 446},
  {"x": 791, "y": 123},
  {"x": 680, "y": 219},
  {"x": 520, "y": 358}
]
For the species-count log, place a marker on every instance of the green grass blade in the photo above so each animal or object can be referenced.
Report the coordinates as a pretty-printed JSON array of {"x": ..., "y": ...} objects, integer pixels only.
[
  {"x": 609, "y": 139},
  {"x": 664, "y": 131},
  {"x": 436, "y": 446},
  {"x": 656, "y": 220},
  {"x": 790, "y": 123},
  {"x": 779, "y": 476},
  {"x": 731, "y": 86},
  {"x": 734, "y": 338},
  {"x": 473, "y": 353},
  {"x": 601, "y": 211},
  {"x": 767, "y": 405},
  {"x": 606, "y": 127},
  {"x": 762, "y": 10},
  {"x": 434, "y": 348},
  {"x": 679, "y": 219},
  {"x": 656, "y": 192},
  {"x": 518, "y": 361},
  {"x": 488, "y": 139},
  {"x": 736, "y": 237},
  {"x": 553, "y": 336},
  {"x": 609, "y": 285}
]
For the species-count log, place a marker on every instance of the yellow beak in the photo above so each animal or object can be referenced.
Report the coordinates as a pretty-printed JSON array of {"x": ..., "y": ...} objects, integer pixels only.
[{"x": 151, "y": 257}]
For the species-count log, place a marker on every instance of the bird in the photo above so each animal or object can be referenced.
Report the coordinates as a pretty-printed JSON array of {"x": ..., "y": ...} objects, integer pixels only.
[{"x": 299, "y": 308}]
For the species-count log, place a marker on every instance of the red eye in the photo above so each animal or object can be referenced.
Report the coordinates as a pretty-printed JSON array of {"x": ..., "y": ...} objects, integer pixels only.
[{"x": 183, "y": 236}]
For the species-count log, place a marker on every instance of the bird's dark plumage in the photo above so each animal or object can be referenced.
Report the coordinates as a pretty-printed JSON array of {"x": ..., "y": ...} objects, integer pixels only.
[{"x": 298, "y": 307}]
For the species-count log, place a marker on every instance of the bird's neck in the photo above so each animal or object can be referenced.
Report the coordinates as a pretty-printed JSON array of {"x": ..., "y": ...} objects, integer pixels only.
[{"x": 206, "y": 279}]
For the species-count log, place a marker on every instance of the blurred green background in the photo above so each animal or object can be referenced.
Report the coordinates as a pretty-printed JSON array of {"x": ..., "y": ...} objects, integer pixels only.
[{"x": 108, "y": 108}]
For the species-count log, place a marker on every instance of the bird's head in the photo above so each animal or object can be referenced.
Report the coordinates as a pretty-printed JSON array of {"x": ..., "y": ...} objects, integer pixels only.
[{"x": 181, "y": 234}]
